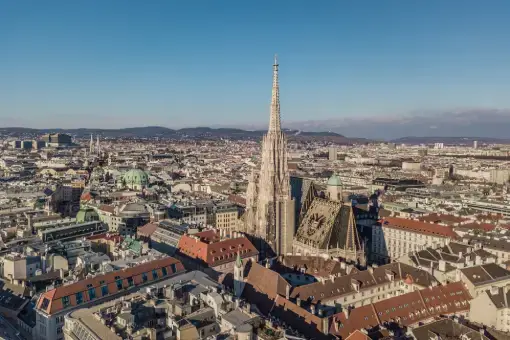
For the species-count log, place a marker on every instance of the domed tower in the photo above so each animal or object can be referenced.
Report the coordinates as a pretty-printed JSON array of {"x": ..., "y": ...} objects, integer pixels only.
[
  {"x": 135, "y": 179},
  {"x": 334, "y": 189}
]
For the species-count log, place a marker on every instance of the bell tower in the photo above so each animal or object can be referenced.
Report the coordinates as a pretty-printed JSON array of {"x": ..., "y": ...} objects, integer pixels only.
[{"x": 238, "y": 276}]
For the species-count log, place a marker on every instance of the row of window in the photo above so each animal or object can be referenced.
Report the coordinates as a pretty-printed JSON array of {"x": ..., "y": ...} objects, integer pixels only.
[{"x": 119, "y": 283}]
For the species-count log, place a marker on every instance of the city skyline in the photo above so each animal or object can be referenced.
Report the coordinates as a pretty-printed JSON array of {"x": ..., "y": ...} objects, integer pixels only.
[{"x": 178, "y": 65}]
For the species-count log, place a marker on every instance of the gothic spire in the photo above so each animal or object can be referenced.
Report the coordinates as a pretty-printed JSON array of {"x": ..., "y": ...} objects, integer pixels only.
[{"x": 274, "y": 119}]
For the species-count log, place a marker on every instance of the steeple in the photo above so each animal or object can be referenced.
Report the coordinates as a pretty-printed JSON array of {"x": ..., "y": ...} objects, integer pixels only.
[
  {"x": 98, "y": 146},
  {"x": 274, "y": 119},
  {"x": 239, "y": 262},
  {"x": 91, "y": 146},
  {"x": 238, "y": 276}
]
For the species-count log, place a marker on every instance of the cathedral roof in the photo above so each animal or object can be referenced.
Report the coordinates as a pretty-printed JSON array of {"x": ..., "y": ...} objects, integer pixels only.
[{"x": 327, "y": 224}]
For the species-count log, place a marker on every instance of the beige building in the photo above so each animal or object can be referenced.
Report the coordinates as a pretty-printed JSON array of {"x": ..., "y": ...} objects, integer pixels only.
[
  {"x": 396, "y": 237},
  {"x": 226, "y": 220},
  {"x": 18, "y": 267},
  {"x": 491, "y": 308},
  {"x": 478, "y": 279}
]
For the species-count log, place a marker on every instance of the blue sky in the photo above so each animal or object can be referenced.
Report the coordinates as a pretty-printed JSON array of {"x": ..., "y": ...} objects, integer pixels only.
[{"x": 120, "y": 63}]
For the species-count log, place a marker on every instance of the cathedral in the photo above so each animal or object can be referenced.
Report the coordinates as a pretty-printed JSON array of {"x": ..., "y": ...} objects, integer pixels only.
[
  {"x": 270, "y": 208},
  {"x": 285, "y": 216}
]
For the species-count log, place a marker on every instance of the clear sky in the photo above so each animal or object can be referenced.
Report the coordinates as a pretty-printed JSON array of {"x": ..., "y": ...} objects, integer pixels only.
[{"x": 120, "y": 63}]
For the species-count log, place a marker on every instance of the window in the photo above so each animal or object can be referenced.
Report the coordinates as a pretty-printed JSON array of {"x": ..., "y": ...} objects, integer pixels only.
[
  {"x": 165, "y": 272},
  {"x": 173, "y": 267},
  {"x": 104, "y": 290},
  {"x": 144, "y": 277},
  {"x": 65, "y": 301},
  {"x": 119, "y": 284},
  {"x": 79, "y": 298},
  {"x": 154, "y": 274},
  {"x": 45, "y": 303},
  {"x": 92, "y": 293},
  {"x": 130, "y": 281}
]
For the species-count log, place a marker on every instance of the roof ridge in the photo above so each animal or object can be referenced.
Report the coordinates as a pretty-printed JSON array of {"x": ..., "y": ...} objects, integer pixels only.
[
  {"x": 375, "y": 313},
  {"x": 492, "y": 278},
  {"x": 423, "y": 301}
]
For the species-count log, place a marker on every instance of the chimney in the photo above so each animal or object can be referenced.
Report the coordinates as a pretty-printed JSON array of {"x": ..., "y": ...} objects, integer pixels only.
[
  {"x": 298, "y": 301},
  {"x": 478, "y": 260},
  {"x": 312, "y": 309},
  {"x": 370, "y": 270},
  {"x": 325, "y": 325},
  {"x": 494, "y": 290},
  {"x": 347, "y": 313}
]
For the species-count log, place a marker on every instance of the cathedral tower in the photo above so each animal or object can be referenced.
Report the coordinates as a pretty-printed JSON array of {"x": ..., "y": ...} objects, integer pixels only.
[
  {"x": 270, "y": 207},
  {"x": 238, "y": 276}
]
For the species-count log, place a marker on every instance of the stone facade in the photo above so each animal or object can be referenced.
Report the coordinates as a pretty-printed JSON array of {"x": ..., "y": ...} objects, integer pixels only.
[{"x": 270, "y": 208}]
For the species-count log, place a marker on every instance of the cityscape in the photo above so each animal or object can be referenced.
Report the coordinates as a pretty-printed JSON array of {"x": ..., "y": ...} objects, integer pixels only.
[{"x": 228, "y": 232}]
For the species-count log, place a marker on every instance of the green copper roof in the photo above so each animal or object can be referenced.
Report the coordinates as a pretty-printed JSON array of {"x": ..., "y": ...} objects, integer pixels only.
[
  {"x": 334, "y": 180},
  {"x": 239, "y": 262},
  {"x": 136, "y": 176},
  {"x": 86, "y": 215},
  {"x": 133, "y": 245}
]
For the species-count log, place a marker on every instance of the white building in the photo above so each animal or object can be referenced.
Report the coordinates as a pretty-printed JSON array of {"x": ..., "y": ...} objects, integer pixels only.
[{"x": 396, "y": 237}]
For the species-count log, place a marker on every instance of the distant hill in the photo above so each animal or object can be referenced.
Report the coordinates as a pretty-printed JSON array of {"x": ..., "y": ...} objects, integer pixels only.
[
  {"x": 450, "y": 140},
  {"x": 185, "y": 133}
]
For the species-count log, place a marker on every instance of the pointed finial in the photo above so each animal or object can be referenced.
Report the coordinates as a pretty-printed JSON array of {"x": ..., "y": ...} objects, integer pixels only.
[{"x": 276, "y": 59}]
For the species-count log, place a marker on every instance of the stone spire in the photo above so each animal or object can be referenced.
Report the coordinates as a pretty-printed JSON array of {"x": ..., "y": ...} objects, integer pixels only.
[
  {"x": 91, "y": 146},
  {"x": 271, "y": 216},
  {"x": 274, "y": 119},
  {"x": 98, "y": 146}
]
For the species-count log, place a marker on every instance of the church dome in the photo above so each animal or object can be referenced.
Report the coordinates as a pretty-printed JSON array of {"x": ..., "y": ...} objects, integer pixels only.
[
  {"x": 334, "y": 180},
  {"x": 136, "y": 177}
]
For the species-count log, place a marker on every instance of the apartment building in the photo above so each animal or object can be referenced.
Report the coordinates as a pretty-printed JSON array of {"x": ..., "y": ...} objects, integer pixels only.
[
  {"x": 443, "y": 262},
  {"x": 207, "y": 251},
  {"x": 364, "y": 287},
  {"x": 492, "y": 308},
  {"x": 478, "y": 279},
  {"x": 496, "y": 243},
  {"x": 54, "y": 304},
  {"x": 410, "y": 309},
  {"x": 396, "y": 237}
]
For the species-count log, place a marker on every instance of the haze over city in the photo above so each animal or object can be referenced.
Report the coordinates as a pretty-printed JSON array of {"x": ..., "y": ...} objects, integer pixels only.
[{"x": 202, "y": 63}]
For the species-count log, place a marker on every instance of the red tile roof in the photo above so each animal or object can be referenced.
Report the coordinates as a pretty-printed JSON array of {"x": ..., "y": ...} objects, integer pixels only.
[
  {"x": 358, "y": 335},
  {"x": 147, "y": 230},
  {"x": 443, "y": 218},
  {"x": 52, "y": 301},
  {"x": 478, "y": 226},
  {"x": 107, "y": 237},
  {"x": 406, "y": 309},
  {"x": 107, "y": 208},
  {"x": 237, "y": 199},
  {"x": 419, "y": 227},
  {"x": 208, "y": 247}
]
